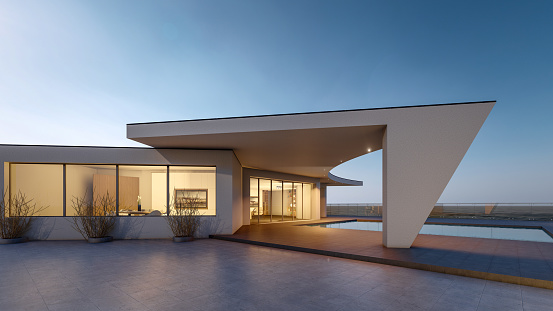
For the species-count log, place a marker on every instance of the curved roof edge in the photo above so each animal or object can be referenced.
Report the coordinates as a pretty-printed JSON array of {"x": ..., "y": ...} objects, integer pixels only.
[{"x": 343, "y": 181}]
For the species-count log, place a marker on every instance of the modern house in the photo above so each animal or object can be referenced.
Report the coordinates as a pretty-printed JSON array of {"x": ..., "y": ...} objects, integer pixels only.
[{"x": 250, "y": 170}]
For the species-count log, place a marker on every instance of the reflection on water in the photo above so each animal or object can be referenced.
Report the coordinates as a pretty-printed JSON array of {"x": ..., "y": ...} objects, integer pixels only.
[{"x": 520, "y": 234}]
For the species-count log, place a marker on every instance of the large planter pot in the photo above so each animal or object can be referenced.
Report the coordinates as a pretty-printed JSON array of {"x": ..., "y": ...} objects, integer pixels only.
[
  {"x": 179, "y": 239},
  {"x": 100, "y": 240},
  {"x": 14, "y": 241}
]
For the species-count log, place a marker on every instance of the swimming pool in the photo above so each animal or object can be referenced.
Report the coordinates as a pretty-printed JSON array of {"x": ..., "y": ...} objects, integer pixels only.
[{"x": 502, "y": 233}]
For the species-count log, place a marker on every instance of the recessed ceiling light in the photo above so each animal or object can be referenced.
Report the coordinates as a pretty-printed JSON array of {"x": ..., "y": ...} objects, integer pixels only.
[{"x": 369, "y": 150}]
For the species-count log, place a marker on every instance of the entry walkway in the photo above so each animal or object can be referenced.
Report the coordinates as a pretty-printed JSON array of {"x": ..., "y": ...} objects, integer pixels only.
[{"x": 518, "y": 262}]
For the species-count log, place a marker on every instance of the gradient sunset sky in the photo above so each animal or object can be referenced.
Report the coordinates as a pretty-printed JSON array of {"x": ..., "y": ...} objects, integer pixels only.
[{"x": 75, "y": 72}]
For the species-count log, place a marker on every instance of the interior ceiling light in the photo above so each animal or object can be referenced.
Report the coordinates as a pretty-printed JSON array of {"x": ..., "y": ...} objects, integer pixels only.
[{"x": 369, "y": 150}]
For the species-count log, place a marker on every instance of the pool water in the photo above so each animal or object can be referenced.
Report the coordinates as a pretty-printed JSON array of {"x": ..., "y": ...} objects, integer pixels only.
[{"x": 502, "y": 233}]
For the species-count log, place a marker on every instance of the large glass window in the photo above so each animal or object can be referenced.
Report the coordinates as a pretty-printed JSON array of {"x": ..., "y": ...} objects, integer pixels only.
[
  {"x": 193, "y": 182},
  {"x": 277, "y": 200},
  {"x": 133, "y": 189},
  {"x": 89, "y": 182},
  {"x": 142, "y": 190},
  {"x": 41, "y": 183}
]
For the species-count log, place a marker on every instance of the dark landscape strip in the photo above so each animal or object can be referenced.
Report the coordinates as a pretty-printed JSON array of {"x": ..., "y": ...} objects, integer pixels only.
[{"x": 401, "y": 263}]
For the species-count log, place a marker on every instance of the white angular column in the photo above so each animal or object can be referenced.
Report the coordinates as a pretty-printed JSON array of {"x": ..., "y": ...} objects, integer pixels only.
[{"x": 422, "y": 148}]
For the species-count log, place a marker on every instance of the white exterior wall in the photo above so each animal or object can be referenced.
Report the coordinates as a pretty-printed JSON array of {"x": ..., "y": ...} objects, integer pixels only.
[
  {"x": 237, "y": 211},
  {"x": 421, "y": 150}
]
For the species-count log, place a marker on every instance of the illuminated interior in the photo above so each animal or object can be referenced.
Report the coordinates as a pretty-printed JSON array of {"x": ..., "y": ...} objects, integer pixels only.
[
  {"x": 277, "y": 200},
  {"x": 137, "y": 190}
]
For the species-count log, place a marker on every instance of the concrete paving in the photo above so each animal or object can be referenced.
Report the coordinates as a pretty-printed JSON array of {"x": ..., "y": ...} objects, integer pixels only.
[
  {"x": 517, "y": 262},
  {"x": 217, "y": 275}
]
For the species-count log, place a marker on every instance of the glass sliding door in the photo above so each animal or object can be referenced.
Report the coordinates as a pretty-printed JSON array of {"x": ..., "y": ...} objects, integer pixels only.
[
  {"x": 264, "y": 200},
  {"x": 277, "y": 200},
  {"x": 307, "y": 192},
  {"x": 298, "y": 189},
  {"x": 254, "y": 200},
  {"x": 288, "y": 201}
]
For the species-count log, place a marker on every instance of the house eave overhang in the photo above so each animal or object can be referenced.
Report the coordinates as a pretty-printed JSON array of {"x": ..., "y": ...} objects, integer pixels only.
[{"x": 308, "y": 144}]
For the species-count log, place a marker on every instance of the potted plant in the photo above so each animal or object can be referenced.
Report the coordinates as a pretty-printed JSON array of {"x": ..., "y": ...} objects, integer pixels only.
[
  {"x": 94, "y": 218},
  {"x": 16, "y": 217},
  {"x": 184, "y": 219}
]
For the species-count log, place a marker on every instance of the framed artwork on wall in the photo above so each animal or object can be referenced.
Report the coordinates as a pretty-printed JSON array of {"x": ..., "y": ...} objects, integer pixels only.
[{"x": 184, "y": 197}]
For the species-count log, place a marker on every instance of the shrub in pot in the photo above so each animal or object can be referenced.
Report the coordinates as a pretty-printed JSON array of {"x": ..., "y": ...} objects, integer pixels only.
[
  {"x": 94, "y": 217},
  {"x": 184, "y": 219},
  {"x": 16, "y": 213}
]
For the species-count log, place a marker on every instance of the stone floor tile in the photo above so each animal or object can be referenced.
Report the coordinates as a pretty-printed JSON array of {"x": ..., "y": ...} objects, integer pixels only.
[
  {"x": 218, "y": 275},
  {"x": 489, "y": 302},
  {"x": 23, "y": 303},
  {"x": 81, "y": 304}
]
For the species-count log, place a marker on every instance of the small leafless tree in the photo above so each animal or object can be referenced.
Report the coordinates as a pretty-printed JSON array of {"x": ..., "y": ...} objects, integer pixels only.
[
  {"x": 15, "y": 214},
  {"x": 184, "y": 217},
  {"x": 94, "y": 218}
]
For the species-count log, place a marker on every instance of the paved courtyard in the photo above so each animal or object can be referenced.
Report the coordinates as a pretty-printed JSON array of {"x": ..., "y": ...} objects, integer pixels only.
[{"x": 218, "y": 275}]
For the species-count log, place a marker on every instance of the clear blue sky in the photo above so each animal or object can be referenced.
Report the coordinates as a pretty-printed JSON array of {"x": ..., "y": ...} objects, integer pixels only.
[{"x": 75, "y": 72}]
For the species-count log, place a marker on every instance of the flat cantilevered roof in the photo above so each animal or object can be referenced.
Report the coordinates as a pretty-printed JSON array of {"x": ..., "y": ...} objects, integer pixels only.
[{"x": 309, "y": 144}]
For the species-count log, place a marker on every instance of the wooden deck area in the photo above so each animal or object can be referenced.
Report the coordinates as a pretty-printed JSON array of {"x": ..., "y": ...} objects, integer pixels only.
[{"x": 518, "y": 262}]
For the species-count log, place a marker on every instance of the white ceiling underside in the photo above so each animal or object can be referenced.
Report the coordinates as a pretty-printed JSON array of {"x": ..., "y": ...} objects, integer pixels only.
[{"x": 307, "y": 152}]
